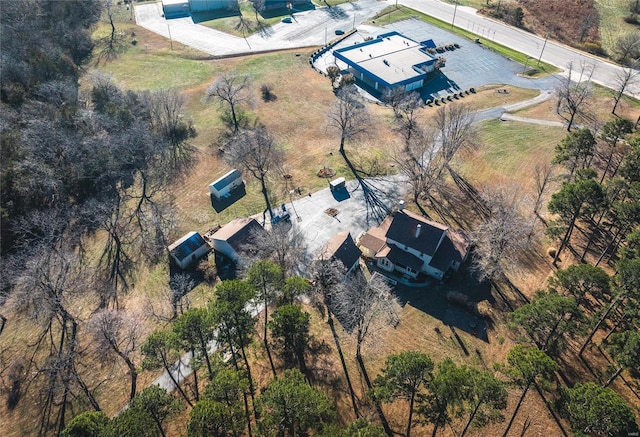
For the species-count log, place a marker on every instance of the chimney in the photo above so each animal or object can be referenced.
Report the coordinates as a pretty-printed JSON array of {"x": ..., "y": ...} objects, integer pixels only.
[
  {"x": 418, "y": 228},
  {"x": 401, "y": 205}
]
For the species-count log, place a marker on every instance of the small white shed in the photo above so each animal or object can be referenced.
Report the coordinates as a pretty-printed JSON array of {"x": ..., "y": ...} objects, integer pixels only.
[
  {"x": 337, "y": 184},
  {"x": 188, "y": 249},
  {"x": 223, "y": 186}
]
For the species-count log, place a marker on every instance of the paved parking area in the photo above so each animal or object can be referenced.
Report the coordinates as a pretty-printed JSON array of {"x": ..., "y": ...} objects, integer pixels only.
[
  {"x": 308, "y": 212},
  {"x": 308, "y": 28},
  {"x": 472, "y": 65}
]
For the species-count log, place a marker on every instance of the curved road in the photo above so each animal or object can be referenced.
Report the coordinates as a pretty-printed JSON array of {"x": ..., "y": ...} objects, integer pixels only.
[{"x": 316, "y": 27}]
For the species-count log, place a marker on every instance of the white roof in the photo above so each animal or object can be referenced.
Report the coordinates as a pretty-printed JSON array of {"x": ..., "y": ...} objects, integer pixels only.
[{"x": 391, "y": 58}]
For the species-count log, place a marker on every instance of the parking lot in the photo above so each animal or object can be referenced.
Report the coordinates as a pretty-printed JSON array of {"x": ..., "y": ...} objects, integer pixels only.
[
  {"x": 470, "y": 66},
  {"x": 307, "y": 28}
]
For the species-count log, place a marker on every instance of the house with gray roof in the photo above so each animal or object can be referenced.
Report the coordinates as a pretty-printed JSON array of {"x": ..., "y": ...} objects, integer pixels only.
[
  {"x": 410, "y": 244},
  {"x": 188, "y": 249}
]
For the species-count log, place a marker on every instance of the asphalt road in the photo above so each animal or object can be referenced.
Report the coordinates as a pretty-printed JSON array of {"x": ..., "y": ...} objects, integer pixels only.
[
  {"x": 554, "y": 53},
  {"x": 316, "y": 27}
]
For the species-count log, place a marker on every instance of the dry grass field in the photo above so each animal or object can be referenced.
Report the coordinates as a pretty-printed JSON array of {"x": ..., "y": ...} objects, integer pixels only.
[{"x": 505, "y": 154}]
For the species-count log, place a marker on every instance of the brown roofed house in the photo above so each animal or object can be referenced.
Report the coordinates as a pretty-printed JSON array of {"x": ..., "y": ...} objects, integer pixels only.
[
  {"x": 235, "y": 237},
  {"x": 410, "y": 244},
  {"x": 342, "y": 248}
]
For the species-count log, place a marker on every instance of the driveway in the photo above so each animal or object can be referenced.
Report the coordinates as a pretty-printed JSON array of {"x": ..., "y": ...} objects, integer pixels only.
[
  {"x": 309, "y": 213},
  {"x": 317, "y": 27},
  {"x": 307, "y": 29}
]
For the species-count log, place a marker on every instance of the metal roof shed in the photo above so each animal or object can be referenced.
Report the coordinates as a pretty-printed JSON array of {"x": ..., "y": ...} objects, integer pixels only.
[
  {"x": 188, "y": 249},
  {"x": 175, "y": 8},
  {"x": 222, "y": 187}
]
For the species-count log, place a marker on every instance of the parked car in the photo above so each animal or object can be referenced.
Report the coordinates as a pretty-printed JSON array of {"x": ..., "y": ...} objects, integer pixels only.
[
  {"x": 286, "y": 20},
  {"x": 339, "y": 32}
]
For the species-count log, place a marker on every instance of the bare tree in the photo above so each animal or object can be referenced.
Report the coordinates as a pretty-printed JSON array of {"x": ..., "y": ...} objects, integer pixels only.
[
  {"x": 285, "y": 245},
  {"x": 348, "y": 116},
  {"x": 625, "y": 77},
  {"x": 365, "y": 307},
  {"x": 113, "y": 42},
  {"x": 115, "y": 332},
  {"x": 257, "y": 152},
  {"x": 420, "y": 162},
  {"x": 503, "y": 235},
  {"x": 627, "y": 47},
  {"x": 543, "y": 173},
  {"x": 258, "y": 6},
  {"x": 233, "y": 91},
  {"x": 405, "y": 107},
  {"x": 573, "y": 96},
  {"x": 115, "y": 261},
  {"x": 169, "y": 120},
  {"x": 454, "y": 129},
  {"x": 43, "y": 291}
]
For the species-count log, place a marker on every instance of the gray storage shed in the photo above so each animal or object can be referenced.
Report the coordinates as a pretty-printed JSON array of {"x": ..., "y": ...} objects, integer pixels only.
[{"x": 223, "y": 186}]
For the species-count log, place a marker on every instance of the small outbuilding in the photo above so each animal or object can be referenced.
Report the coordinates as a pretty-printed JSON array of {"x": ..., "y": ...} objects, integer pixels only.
[
  {"x": 188, "y": 249},
  {"x": 223, "y": 186},
  {"x": 212, "y": 5},
  {"x": 236, "y": 237},
  {"x": 175, "y": 8},
  {"x": 342, "y": 248}
]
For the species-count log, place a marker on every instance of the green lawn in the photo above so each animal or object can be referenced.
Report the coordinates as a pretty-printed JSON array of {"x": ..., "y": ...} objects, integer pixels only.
[
  {"x": 511, "y": 149},
  {"x": 392, "y": 15},
  {"x": 612, "y": 24},
  {"x": 138, "y": 69},
  {"x": 250, "y": 24}
]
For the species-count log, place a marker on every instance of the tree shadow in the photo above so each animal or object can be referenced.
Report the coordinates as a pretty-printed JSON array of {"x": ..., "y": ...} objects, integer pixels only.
[
  {"x": 223, "y": 203},
  {"x": 335, "y": 13},
  {"x": 433, "y": 300}
]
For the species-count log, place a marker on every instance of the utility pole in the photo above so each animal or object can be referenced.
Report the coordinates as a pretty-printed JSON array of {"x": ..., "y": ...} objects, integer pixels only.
[
  {"x": 543, "y": 46},
  {"x": 455, "y": 9}
]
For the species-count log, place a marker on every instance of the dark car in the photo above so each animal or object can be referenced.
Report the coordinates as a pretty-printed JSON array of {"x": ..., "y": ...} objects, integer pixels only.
[{"x": 339, "y": 32}]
